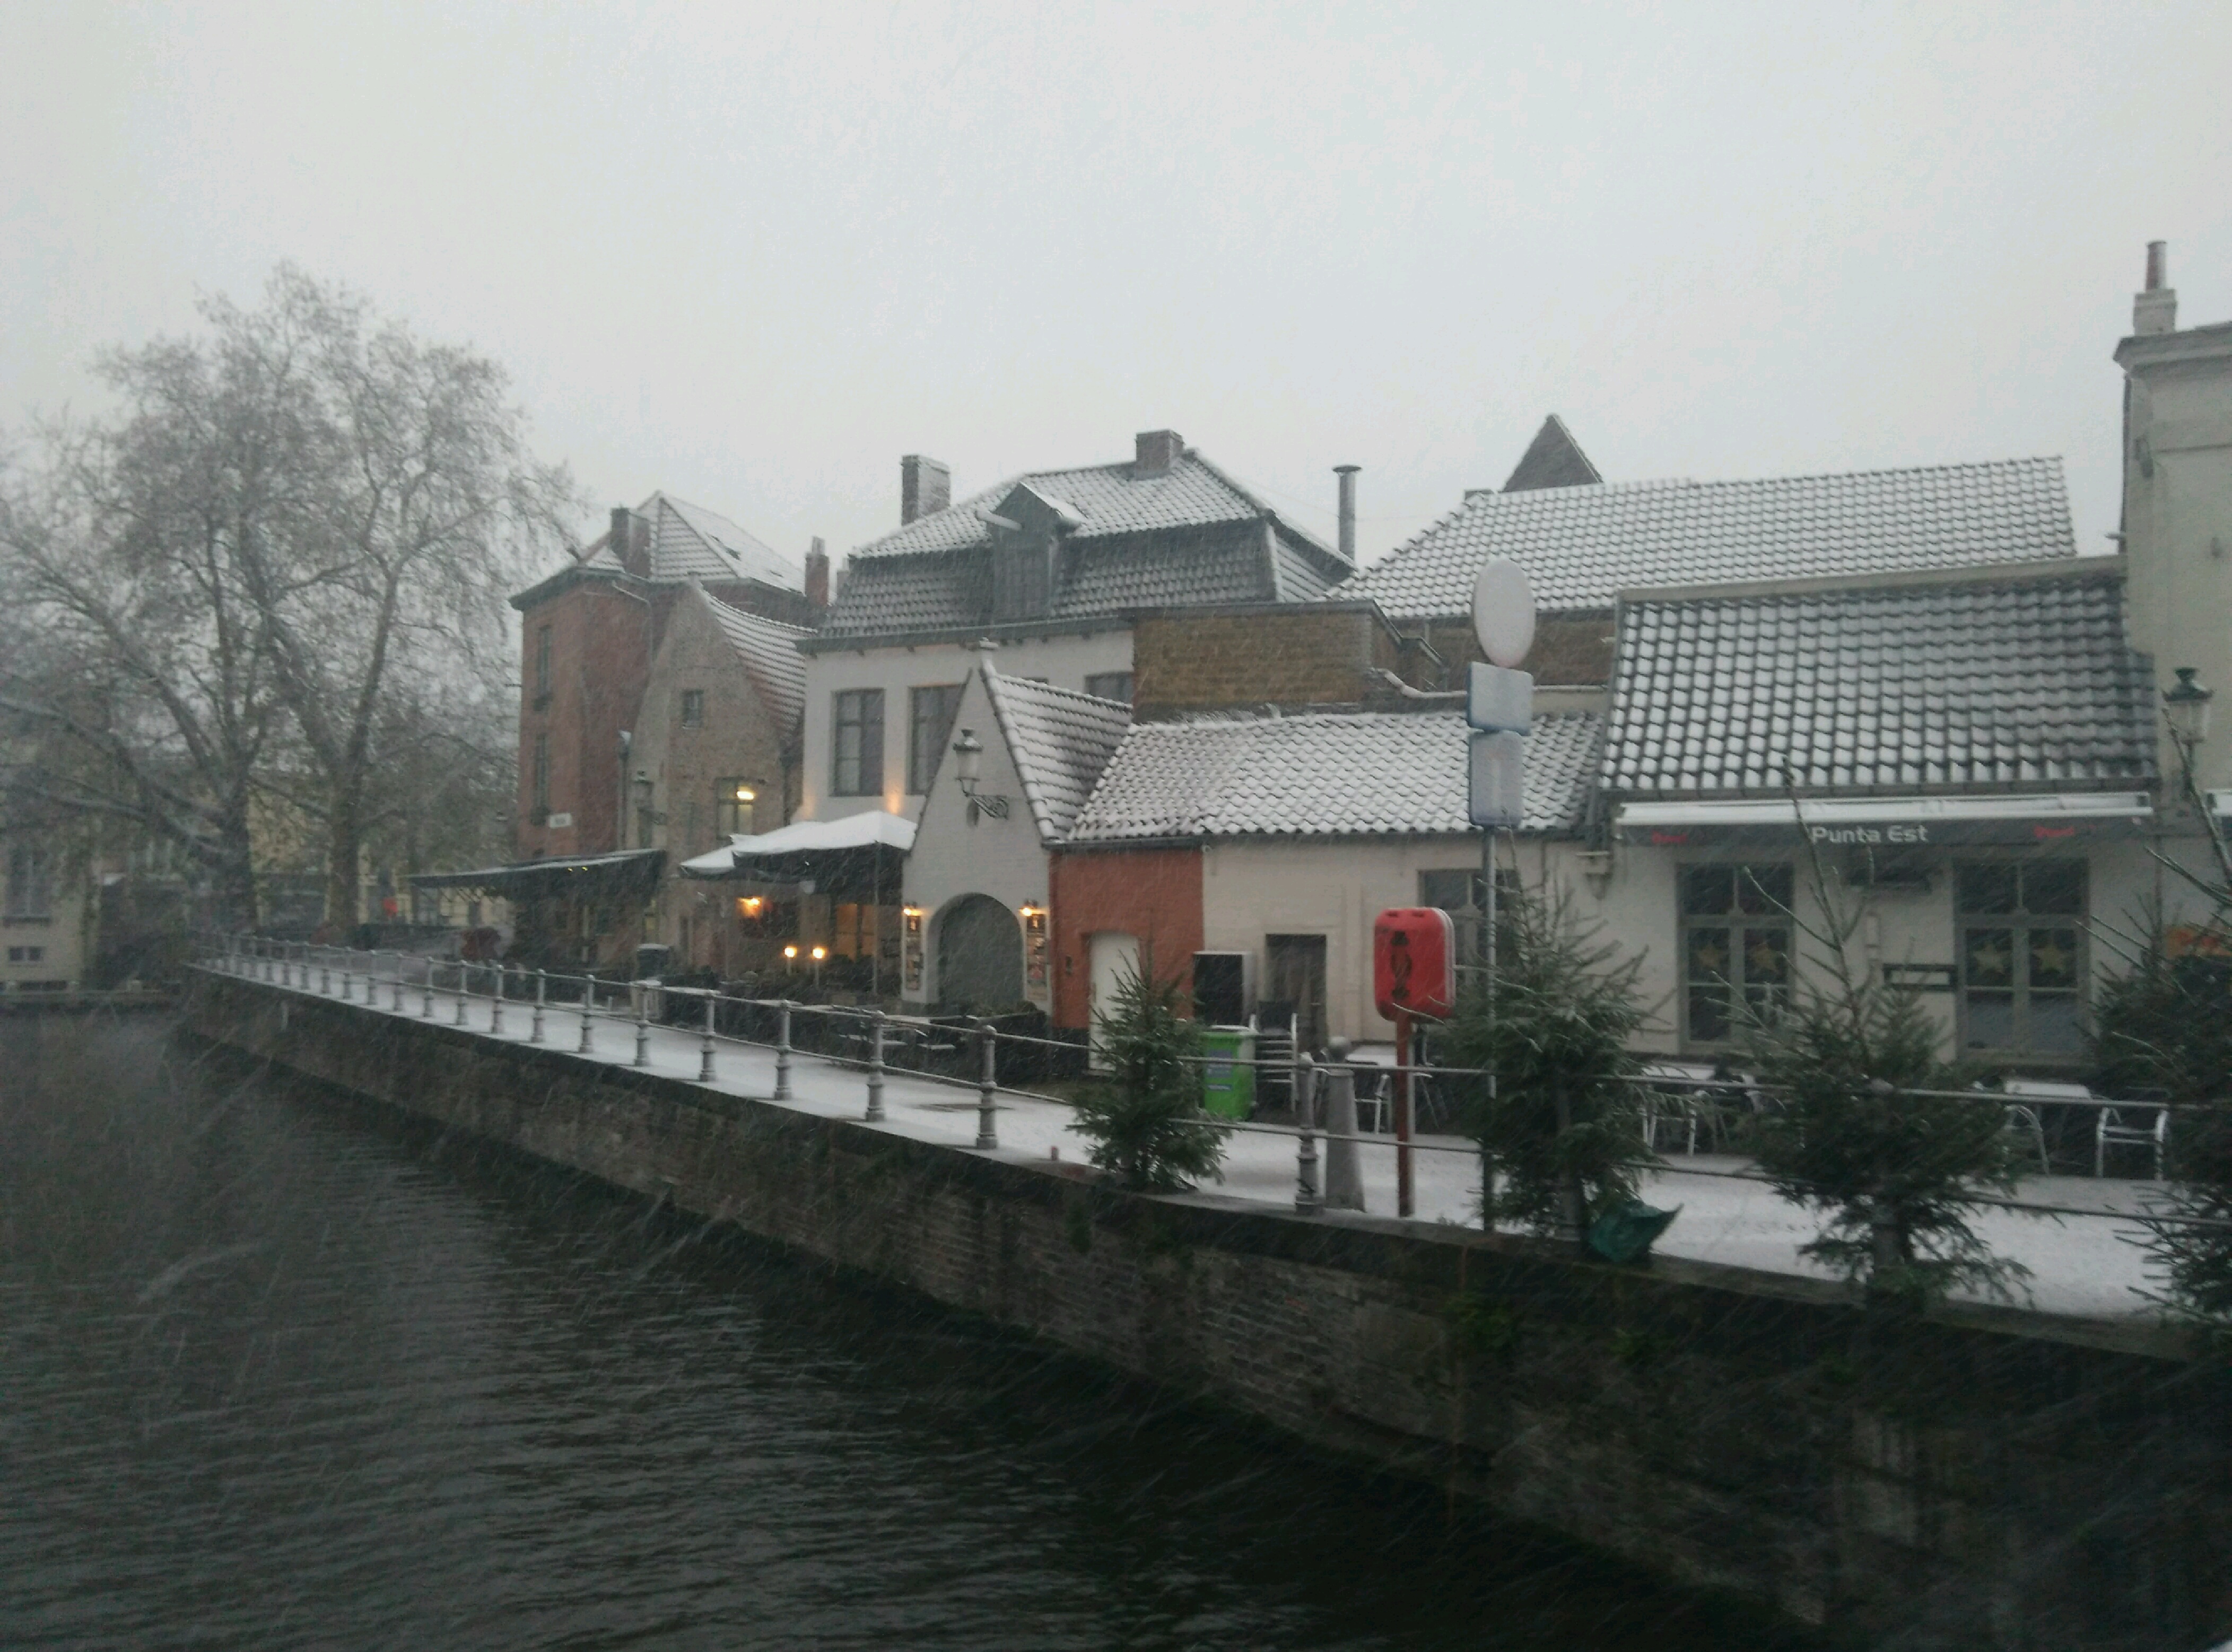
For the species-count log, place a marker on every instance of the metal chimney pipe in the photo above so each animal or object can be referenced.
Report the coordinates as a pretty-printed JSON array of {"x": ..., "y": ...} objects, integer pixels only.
[
  {"x": 1348, "y": 475},
  {"x": 2157, "y": 265}
]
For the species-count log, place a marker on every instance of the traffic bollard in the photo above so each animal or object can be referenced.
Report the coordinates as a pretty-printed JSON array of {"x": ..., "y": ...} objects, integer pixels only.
[
  {"x": 1344, "y": 1174},
  {"x": 876, "y": 1066},
  {"x": 987, "y": 1137}
]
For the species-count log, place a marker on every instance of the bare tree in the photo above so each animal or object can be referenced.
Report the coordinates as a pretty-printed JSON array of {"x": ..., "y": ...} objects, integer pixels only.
[{"x": 258, "y": 581}]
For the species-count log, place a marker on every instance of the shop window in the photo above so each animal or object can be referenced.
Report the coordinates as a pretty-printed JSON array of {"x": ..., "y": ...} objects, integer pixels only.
[
  {"x": 858, "y": 749},
  {"x": 693, "y": 708},
  {"x": 930, "y": 723},
  {"x": 2022, "y": 956},
  {"x": 1109, "y": 685},
  {"x": 1735, "y": 948}
]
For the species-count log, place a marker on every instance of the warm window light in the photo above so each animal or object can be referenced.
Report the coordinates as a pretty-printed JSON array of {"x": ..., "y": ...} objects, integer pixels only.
[
  {"x": 745, "y": 795},
  {"x": 749, "y": 906}
]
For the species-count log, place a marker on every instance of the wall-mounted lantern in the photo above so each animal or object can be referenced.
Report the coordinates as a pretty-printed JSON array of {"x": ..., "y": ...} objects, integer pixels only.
[{"x": 968, "y": 769}]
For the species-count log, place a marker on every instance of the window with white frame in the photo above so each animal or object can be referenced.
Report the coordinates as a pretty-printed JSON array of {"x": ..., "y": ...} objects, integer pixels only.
[
  {"x": 2022, "y": 956},
  {"x": 30, "y": 888},
  {"x": 1736, "y": 948},
  {"x": 857, "y": 745},
  {"x": 930, "y": 711}
]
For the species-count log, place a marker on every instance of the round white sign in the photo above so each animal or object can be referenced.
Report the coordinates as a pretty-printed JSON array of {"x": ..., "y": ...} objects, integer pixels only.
[{"x": 1503, "y": 612}]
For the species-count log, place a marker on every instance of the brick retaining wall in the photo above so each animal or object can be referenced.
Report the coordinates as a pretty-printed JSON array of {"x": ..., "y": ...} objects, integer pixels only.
[{"x": 1978, "y": 1478}]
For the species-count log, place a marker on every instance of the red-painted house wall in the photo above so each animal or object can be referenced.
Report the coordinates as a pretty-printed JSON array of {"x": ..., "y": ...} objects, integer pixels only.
[
  {"x": 601, "y": 642},
  {"x": 1153, "y": 893}
]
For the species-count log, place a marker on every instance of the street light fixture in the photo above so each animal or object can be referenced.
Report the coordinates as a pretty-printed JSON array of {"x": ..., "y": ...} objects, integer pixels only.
[
  {"x": 2185, "y": 708},
  {"x": 968, "y": 769}
]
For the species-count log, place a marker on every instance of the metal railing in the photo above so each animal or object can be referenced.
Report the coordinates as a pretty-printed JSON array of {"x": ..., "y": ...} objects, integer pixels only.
[{"x": 1327, "y": 1174}]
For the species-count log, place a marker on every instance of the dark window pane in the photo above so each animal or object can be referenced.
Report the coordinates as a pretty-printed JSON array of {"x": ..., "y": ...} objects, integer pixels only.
[
  {"x": 1706, "y": 890},
  {"x": 1109, "y": 685},
  {"x": 1986, "y": 888},
  {"x": 1766, "y": 957},
  {"x": 1453, "y": 891},
  {"x": 2053, "y": 958},
  {"x": 1991, "y": 1020},
  {"x": 1709, "y": 1014},
  {"x": 2053, "y": 1024},
  {"x": 1711, "y": 957},
  {"x": 1764, "y": 889},
  {"x": 2056, "y": 886},
  {"x": 1989, "y": 958}
]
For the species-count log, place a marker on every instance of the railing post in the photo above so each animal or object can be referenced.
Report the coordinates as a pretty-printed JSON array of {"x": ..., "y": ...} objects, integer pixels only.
[
  {"x": 325, "y": 972},
  {"x": 395, "y": 999},
  {"x": 588, "y": 1012},
  {"x": 642, "y": 1026},
  {"x": 875, "y": 1066},
  {"x": 782, "y": 1051},
  {"x": 462, "y": 984},
  {"x": 1344, "y": 1174},
  {"x": 1307, "y": 1199},
  {"x": 349, "y": 984},
  {"x": 987, "y": 1081},
  {"x": 541, "y": 989},
  {"x": 705, "y": 1046},
  {"x": 495, "y": 997},
  {"x": 426, "y": 1005}
]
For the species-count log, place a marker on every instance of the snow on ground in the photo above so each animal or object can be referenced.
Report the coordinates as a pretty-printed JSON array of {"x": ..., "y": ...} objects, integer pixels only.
[{"x": 2087, "y": 1265}]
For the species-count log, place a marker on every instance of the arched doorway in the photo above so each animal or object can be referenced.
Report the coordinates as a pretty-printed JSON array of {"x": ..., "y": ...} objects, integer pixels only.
[{"x": 980, "y": 955}]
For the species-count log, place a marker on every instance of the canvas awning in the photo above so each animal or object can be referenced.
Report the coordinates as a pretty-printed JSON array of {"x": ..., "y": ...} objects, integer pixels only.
[
  {"x": 855, "y": 856},
  {"x": 1887, "y": 822},
  {"x": 625, "y": 870}
]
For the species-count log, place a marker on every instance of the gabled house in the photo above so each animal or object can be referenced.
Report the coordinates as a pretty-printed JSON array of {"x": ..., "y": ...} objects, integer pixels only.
[
  {"x": 977, "y": 927},
  {"x": 580, "y": 889}
]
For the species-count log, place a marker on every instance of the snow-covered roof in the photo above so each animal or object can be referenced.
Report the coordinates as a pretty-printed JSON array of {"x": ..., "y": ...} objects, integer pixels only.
[
  {"x": 1061, "y": 740},
  {"x": 1329, "y": 775},
  {"x": 769, "y": 651},
  {"x": 688, "y": 542},
  {"x": 1581, "y": 544},
  {"x": 865, "y": 830}
]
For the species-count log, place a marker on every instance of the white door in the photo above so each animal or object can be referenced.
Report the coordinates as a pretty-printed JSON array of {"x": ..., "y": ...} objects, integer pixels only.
[{"x": 1115, "y": 954}]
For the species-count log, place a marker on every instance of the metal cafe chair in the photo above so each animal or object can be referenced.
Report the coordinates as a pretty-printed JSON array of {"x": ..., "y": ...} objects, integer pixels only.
[{"x": 2114, "y": 1129}]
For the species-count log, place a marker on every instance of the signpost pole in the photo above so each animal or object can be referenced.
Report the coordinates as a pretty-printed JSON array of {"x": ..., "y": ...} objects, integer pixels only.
[{"x": 1403, "y": 1199}]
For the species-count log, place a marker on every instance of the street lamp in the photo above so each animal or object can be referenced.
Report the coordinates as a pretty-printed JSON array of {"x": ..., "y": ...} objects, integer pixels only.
[
  {"x": 2185, "y": 708},
  {"x": 968, "y": 767}
]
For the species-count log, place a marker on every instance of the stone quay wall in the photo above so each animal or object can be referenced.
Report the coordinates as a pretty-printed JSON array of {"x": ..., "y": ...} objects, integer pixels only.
[{"x": 1976, "y": 1479}]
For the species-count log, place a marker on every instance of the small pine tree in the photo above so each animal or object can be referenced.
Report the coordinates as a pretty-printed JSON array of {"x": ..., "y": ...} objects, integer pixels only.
[
  {"x": 1895, "y": 1169},
  {"x": 1562, "y": 1134},
  {"x": 1145, "y": 1122},
  {"x": 2167, "y": 1027}
]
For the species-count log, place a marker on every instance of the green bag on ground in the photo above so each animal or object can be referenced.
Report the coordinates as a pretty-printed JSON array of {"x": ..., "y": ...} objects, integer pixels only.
[{"x": 1625, "y": 1233}]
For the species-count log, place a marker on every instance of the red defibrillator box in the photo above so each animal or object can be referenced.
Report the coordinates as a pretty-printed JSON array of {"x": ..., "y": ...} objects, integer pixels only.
[{"x": 1414, "y": 955}]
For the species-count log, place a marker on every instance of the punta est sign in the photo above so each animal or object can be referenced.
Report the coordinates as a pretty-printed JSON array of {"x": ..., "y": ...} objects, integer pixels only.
[{"x": 1500, "y": 698}]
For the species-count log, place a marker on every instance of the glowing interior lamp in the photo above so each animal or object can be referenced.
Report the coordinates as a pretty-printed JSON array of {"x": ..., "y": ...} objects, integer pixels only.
[
  {"x": 745, "y": 795},
  {"x": 750, "y": 905}
]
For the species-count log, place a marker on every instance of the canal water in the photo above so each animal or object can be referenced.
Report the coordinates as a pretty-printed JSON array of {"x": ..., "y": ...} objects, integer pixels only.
[{"x": 279, "y": 1370}]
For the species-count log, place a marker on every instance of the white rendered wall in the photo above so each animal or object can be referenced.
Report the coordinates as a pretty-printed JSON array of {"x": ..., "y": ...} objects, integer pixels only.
[{"x": 1065, "y": 661}]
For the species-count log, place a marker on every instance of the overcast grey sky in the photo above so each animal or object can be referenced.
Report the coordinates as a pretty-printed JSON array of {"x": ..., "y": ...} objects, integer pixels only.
[{"x": 753, "y": 254}]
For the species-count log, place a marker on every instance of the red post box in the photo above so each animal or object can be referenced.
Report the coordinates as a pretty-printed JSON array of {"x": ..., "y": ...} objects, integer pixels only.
[{"x": 1414, "y": 962}]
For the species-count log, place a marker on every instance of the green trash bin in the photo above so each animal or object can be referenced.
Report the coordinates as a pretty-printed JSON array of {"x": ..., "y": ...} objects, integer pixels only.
[{"x": 1228, "y": 1080}]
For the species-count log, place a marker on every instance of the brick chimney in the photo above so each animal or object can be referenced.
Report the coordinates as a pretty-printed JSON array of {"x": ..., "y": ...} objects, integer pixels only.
[
  {"x": 817, "y": 575},
  {"x": 925, "y": 488},
  {"x": 2155, "y": 310},
  {"x": 1348, "y": 475},
  {"x": 1156, "y": 451},
  {"x": 630, "y": 540}
]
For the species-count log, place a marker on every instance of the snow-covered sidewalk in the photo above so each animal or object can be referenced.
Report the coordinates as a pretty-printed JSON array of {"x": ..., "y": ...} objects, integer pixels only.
[{"x": 2087, "y": 1265}]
